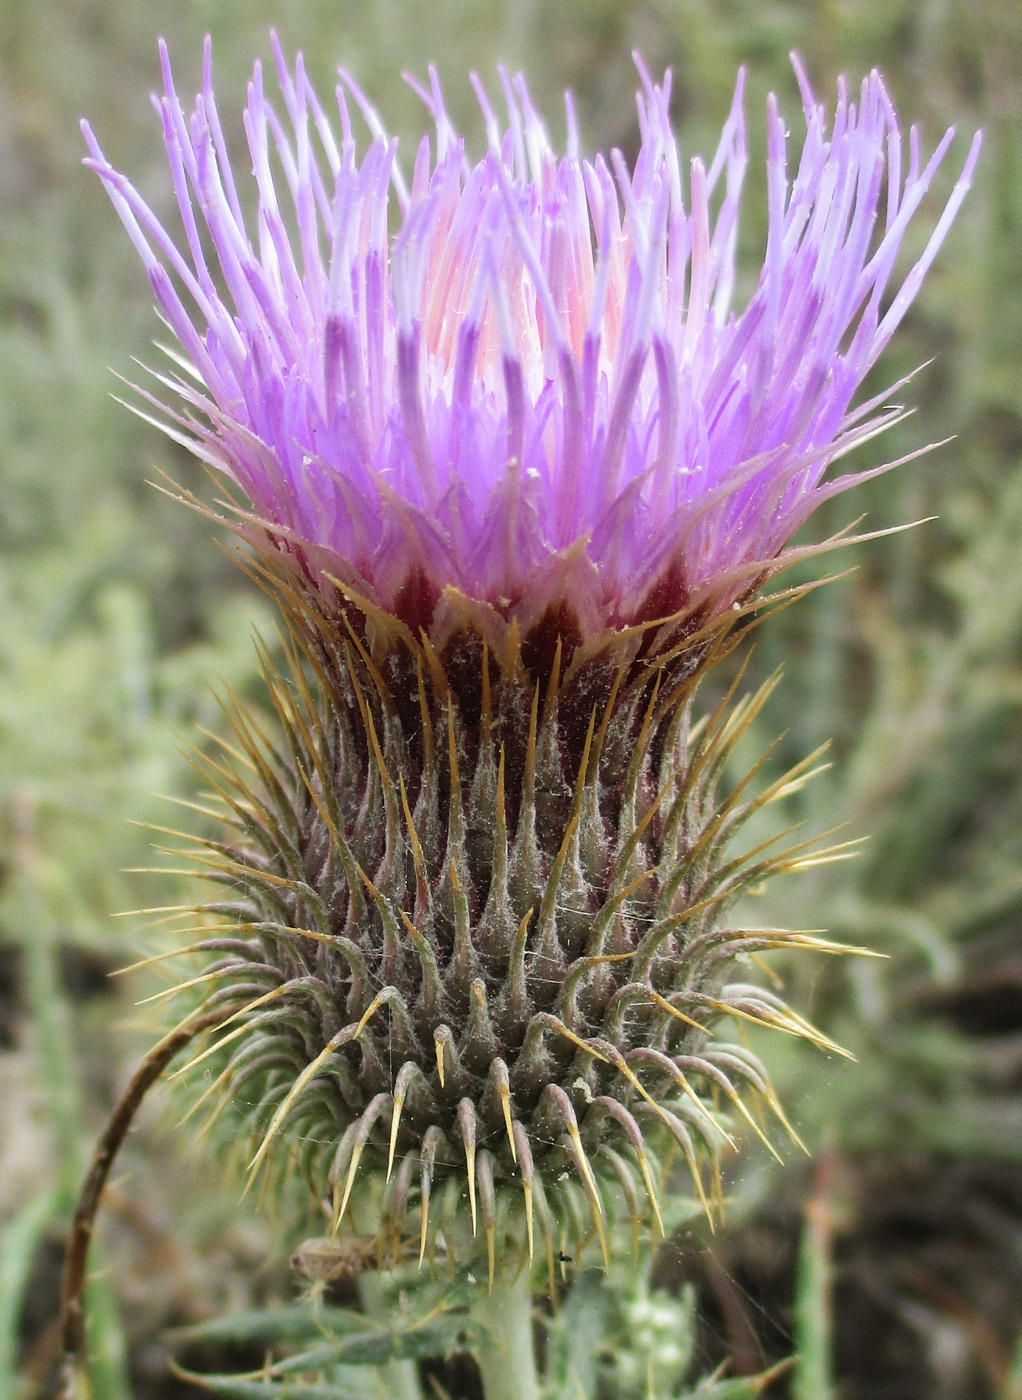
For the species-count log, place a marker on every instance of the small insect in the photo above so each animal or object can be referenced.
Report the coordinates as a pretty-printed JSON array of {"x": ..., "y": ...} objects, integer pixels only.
[{"x": 327, "y": 1259}]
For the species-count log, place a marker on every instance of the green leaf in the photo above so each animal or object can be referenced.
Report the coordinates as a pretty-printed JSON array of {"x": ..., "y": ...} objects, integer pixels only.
[
  {"x": 373, "y": 1346},
  {"x": 577, "y": 1334},
  {"x": 245, "y": 1389},
  {"x": 735, "y": 1387},
  {"x": 296, "y": 1323}
]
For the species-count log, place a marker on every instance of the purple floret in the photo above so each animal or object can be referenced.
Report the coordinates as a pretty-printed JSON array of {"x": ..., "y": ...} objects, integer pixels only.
[{"x": 535, "y": 390}]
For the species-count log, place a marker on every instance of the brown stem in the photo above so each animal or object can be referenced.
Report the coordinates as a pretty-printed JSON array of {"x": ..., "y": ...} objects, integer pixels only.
[{"x": 72, "y": 1291}]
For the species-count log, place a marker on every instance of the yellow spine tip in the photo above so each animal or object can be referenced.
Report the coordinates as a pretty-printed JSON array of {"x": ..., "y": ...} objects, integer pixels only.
[
  {"x": 423, "y": 1230},
  {"x": 505, "y": 1103},
  {"x": 399, "y": 1100}
]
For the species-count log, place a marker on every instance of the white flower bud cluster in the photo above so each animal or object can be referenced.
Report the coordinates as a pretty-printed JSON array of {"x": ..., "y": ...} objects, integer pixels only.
[{"x": 659, "y": 1343}]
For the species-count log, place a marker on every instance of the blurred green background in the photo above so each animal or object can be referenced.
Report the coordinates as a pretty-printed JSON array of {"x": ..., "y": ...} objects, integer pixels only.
[{"x": 118, "y": 612}]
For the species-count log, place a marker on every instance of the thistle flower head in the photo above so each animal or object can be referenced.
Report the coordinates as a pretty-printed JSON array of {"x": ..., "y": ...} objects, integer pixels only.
[
  {"x": 512, "y": 462},
  {"x": 524, "y": 378}
]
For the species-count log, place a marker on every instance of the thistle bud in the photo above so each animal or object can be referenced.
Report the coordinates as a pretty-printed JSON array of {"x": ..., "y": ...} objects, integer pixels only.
[{"x": 516, "y": 474}]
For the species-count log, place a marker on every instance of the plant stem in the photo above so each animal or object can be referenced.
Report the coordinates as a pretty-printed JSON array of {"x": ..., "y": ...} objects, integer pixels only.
[
  {"x": 507, "y": 1357},
  {"x": 72, "y": 1294},
  {"x": 399, "y": 1380},
  {"x": 813, "y": 1377}
]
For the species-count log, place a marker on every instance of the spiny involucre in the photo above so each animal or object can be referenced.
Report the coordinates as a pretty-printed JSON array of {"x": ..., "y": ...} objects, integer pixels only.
[{"x": 514, "y": 472}]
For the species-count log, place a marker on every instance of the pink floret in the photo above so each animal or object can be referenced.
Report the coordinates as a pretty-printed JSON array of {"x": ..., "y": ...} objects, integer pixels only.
[{"x": 528, "y": 382}]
